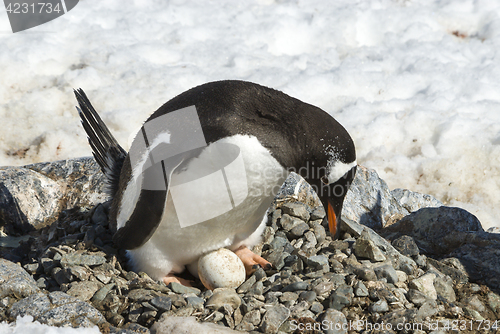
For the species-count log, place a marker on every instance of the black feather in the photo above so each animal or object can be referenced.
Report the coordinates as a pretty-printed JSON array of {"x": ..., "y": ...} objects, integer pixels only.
[{"x": 106, "y": 150}]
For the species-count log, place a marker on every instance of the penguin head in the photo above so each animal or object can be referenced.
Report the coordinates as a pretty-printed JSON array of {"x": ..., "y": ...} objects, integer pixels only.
[
  {"x": 334, "y": 157},
  {"x": 332, "y": 191}
]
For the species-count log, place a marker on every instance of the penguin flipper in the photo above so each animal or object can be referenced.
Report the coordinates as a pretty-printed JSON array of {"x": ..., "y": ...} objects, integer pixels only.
[
  {"x": 144, "y": 220},
  {"x": 106, "y": 150}
]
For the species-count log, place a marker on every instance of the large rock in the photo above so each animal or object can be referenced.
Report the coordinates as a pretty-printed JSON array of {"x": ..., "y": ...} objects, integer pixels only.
[
  {"x": 454, "y": 233},
  {"x": 57, "y": 309},
  {"x": 188, "y": 325},
  {"x": 437, "y": 230},
  {"x": 32, "y": 196},
  {"x": 370, "y": 202},
  {"x": 15, "y": 281}
]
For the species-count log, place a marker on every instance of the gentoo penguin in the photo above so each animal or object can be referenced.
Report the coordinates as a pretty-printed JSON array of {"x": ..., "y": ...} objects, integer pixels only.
[{"x": 204, "y": 168}]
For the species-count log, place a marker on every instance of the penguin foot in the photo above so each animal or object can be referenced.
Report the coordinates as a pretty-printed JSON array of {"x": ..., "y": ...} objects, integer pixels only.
[
  {"x": 172, "y": 278},
  {"x": 251, "y": 261}
]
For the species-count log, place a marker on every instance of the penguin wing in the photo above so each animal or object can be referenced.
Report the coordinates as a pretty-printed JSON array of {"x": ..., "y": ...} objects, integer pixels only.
[{"x": 106, "y": 150}]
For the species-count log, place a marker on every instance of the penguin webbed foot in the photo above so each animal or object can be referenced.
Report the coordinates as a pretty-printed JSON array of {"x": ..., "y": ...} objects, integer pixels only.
[
  {"x": 251, "y": 261},
  {"x": 171, "y": 278}
]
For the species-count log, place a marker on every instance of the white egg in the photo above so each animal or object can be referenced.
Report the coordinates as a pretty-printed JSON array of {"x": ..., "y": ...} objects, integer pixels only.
[{"x": 221, "y": 269}]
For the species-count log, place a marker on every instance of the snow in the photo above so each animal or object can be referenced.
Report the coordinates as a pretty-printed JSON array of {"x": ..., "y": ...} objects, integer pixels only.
[
  {"x": 26, "y": 324},
  {"x": 415, "y": 82}
]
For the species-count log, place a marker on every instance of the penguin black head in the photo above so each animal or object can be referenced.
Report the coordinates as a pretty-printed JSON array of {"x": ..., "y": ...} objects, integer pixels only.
[{"x": 330, "y": 164}]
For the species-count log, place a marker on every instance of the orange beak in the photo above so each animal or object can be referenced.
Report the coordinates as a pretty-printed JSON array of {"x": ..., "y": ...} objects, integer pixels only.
[{"x": 332, "y": 219}]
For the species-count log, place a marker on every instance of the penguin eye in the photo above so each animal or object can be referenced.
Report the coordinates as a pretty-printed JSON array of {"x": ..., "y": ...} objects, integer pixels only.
[{"x": 324, "y": 179}]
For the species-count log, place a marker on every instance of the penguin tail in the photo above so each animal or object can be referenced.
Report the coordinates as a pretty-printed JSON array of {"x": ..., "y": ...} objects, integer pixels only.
[{"x": 106, "y": 150}]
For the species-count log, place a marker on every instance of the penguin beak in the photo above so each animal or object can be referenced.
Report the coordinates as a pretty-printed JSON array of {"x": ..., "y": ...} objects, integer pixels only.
[{"x": 332, "y": 219}]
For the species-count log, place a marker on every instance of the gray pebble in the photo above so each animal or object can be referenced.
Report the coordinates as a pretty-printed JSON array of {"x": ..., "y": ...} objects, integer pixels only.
[
  {"x": 318, "y": 213},
  {"x": 316, "y": 307},
  {"x": 82, "y": 259},
  {"x": 195, "y": 302},
  {"x": 223, "y": 296},
  {"x": 308, "y": 296},
  {"x": 296, "y": 209},
  {"x": 379, "y": 306},
  {"x": 257, "y": 289},
  {"x": 245, "y": 286},
  {"x": 406, "y": 245},
  {"x": 360, "y": 290},
  {"x": 365, "y": 273},
  {"x": 273, "y": 318},
  {"x": 416, "y": 297},
  {"x": 298, "y": 230},
  {"x": 388, "y": 272},
  {"x": 161, "y": 302},
  {"x": 296, "y": 286},
  {"x": 341, "y": 297},
  {"x": 318, "y": 262},
  {"x": 331, "y": 318}
]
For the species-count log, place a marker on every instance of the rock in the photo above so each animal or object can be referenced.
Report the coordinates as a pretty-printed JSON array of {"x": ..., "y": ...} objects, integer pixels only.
[
  {"x": 296, "y": 209},
  {"x": 257, "y": 289},
  {"x": 388, "y": 272},
  {"x": 379, "y": 306},
  {"x": 425, "y": 284},
  {"x": 83, "y": 290},
  {"x": 298, "y": 230},
  {"x": 416, "y": 297},
  {"x": 451, "y": 267},
  {"x": 188, "y": 325},
  {"x": 475, "y": 303},
  {"x": 252, "y": 317},
  {"x": 438, "y": 230},
  {"x": 341, "y": 297},
  {"x": 318, "y": 262},
  {"x": 364, "y": 247},
  {"x": 161, "y": 302},
  {"x": 365, "y": 273},
  {"x": 223, "y": 296},
  {"x": 369, "y": 201},
  {"x": 296, "y": 286},
  {"x": 493, "y": 301},
  {"x": 473, "y": 314},
  {"x": 273, "y": 318},
  {"x": 243, "y": 288},
  {"x": 398, "y": 260},
  {"x": 288, "y": 222},
  {"x": 296, "y": 189},
  {"x": 102, "y": 293},
  {"x": 32, "y": 196},
  {"x": 444, "y": 288},
  {"x": 57, "y": 309},
  {"x": 195, "y": 302},
  {"x": 15, "y": 281},
  {"x": 360, "y": 289},
  {"x": 334, "y": 322},
  {"x": 406, "y": 245},
  {"x": 318, "y": 213},
  {"x": 413, "y": 201},
  {"x": 80, "y": 258},
  {"x": 427, "y": 310},
  {"x": 309, "y": 296}
]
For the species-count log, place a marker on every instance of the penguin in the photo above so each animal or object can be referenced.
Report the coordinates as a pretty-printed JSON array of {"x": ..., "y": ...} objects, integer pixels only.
[{"x": 204, "y": 168}]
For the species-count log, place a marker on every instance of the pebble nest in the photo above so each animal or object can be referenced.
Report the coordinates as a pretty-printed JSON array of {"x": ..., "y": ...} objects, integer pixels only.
[{"x": 314, "y": 281}]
